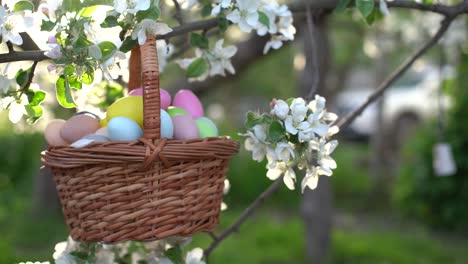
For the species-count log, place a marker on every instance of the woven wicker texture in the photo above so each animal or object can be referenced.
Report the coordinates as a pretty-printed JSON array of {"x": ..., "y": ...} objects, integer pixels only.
[{"x": 143, "y": 190}]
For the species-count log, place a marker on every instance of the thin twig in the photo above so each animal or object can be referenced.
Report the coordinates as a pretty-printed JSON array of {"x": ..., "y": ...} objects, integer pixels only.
[
  {"x": 178, "y": 12},
  {"x": 313, "y": 44},
  {"x": 245, "y": 215},
  {"x": 31, "y": 76},
  {"x": 212, "y": 235},
  {"x": 349, "y": 118},
  {"x": 11, "y": 50},
  {"x": 35, "y": 55}
]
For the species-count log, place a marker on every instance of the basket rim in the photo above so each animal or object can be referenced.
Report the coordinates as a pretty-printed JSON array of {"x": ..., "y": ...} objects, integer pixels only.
[{"x": 143, "y": 151}]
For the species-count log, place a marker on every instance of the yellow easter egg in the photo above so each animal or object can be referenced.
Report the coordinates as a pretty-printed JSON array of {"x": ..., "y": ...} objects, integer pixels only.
[
  {"x": 103, "y": 122},
  {"x": 129, "y": 107}
]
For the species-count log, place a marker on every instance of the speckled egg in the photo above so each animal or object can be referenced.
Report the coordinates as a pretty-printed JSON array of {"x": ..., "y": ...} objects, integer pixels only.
[
  {"x": 79, "y": 126},
  {"x": 165, "y": 96},
  {"x": 124, "y": 129},
  {"x": 52, "y": 133},
  {"x": 206, "y": 127},
  {"x": 185, "y": 127},
  {"x": 188, "y": 101}
]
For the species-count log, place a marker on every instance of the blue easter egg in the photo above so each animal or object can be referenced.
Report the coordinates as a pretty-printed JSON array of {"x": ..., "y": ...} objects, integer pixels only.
[
  {"x": 123, "y": 129},
  {"x": 167, "y": 127}
]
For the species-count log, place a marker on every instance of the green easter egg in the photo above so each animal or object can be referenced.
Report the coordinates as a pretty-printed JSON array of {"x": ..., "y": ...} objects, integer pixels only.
[
  {"x": 206, "y": 127},
  {"x": 173, "y": 111}
]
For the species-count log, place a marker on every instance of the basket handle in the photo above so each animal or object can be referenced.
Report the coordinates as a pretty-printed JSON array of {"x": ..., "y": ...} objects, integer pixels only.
[{"x": 144, "y": 72}]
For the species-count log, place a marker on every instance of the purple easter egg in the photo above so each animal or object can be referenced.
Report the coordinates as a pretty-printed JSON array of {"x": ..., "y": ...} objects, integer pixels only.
[
  {"x": 164, "y": 95},
  {"x": 188, "y": 101},
  {"x": 185, "y": 127}
]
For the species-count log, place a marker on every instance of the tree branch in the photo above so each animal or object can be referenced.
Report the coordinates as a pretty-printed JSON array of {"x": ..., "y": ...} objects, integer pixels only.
[
  {"x": 35, "y": 55},
  {"x": 178, "y": 12},
  {"x": 349, "y": 118},
  {"x": 245, "y": 215}
]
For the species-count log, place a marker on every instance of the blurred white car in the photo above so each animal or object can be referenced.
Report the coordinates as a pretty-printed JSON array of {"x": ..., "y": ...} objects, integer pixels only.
[{"x": 412, "y": 99}]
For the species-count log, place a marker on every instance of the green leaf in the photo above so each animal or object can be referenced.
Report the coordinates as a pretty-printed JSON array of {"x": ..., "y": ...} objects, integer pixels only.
[
  {"x": 81, "y": 43},
  {"x": 107, "y": 48},
  {"x": 200, "y": 41},
  {"x": 152, "y": 13},
  {"x": 22, "y": 77},
  {"x": 88, "y": 77},
  {"x": 63, "y": 92},
  {"x": 175, "y": 255},
  {"x": 47, "y": 25},
  {"x": 128, "y": 44},
  {"x": 252, "y": 119},
  {"x": 88, "y": 11},
  {"x": 428, "y": 2},
  {"x": 23, "y": 5},
  {"x": 223, "y": 23},
  {"x": 206, "y": 10},
  {"x": 35, "y": 97},
  {"x": 34, "y": 113},
  {"x": 197, "y": 68},
  {"x": 289, "y": 101},
  {"x": 342, "y": 5},
  {"x": 80, "y": 255},
  {"x": 376, "y": 15},
  {"x": 276, "y": 131},
  {"x": 71, "y": 5},
  {"x": 365, "y": 7},
  {"x": 110, "y": 21},
  {"x": 263, "y": 18},
  {"x": 75, "y": 83}
]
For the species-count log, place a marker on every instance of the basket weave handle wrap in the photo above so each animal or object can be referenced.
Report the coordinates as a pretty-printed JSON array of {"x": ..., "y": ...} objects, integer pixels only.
[{"x": 147, "y": 57}]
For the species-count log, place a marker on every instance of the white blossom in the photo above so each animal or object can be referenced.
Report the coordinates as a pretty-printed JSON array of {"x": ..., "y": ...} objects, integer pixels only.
[
  {"x": 281, "y": 109},
  {"x": 55, "y": 51},
  {"x": 194, "y": 256},
  {"x": 149, "y": 26},
  {"x": 298, "y": 110},
  {"x": 284, "y": 151},
  {"x": 11, "y": 24},
  {"x": 255, "y": 142},
  {"x": 219, "y": 4},
  {"x": 131, "y": 6},
  {"x": 5, "y": 84},
  {"x": 110, "y": 68},
  {"x": 275, "y": 42},
  {"x": 325, "y": 161},
  {"x": 222, "y": 59},
  {"x": 383, "y": 8},
  {"x": 164, "y": 52},
  {"x": 246, "y": 15},
  {"x": 311, "y": 179}
]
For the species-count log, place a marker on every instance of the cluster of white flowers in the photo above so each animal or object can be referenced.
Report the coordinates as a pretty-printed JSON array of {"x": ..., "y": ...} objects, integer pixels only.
[
  {"x": 149, "y": 252},
  {"x": 218, "y": 58},
  {"x": 13, "y": 23},
  {"x": 262, "y": 16},
  {"x": 294, "y": 134}
]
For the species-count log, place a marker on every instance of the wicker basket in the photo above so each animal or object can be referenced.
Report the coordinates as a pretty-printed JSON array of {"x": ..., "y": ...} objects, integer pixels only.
[{"x": 143, "y": 190}]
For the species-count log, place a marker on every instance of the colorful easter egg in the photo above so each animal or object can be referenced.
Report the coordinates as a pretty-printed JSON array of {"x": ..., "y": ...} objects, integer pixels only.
[
  {"x": 167, "y": 127},
  {"x": 173, "y": 111},
  {"x": 188, "y": 101},
  {"x": 103, "y": 131},
  {"x": 79, "y": 126},
  {"x": 103, "y": 122},
  {"x": 89, "y": 139},
  {"x": 185, "y": 127},
  {"x": 52, "y": 133},
  {"x": 129, "y": 107},
  {"x": 124, "y": 129},
  {"x": 165, "y": 96},
  {"x": 206, "y": 127},
  {"x": 89, "y": 114},
  {"x": 97, "y": 138}
]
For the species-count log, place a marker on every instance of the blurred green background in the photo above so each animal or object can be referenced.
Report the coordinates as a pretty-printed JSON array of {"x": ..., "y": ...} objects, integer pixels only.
[{"x": 423, "y": 219}]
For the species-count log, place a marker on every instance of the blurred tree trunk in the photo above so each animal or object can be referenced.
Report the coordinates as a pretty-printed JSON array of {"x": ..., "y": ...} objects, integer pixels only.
[{"x": 316, "y": 207}]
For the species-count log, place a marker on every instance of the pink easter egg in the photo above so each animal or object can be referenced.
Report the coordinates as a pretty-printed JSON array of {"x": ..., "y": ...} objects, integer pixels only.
[
  {"x": 137, "y": 91},
  {"x": 188, "y": 101},
  {"x": 185, "y": 127},
  {"x": 164, "y": 95}
]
